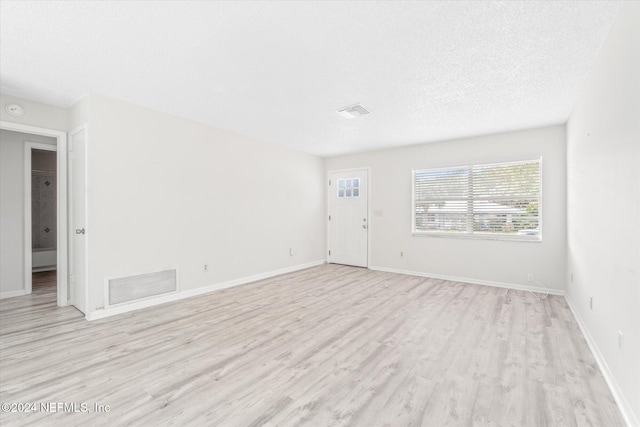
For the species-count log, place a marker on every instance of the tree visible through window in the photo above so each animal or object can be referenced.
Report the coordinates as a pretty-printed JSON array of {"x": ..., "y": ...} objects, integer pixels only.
[{"x": 492, "y": 200}]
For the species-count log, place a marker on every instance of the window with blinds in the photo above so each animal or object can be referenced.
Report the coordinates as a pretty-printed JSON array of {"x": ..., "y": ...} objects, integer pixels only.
[{"x": 496, "y": 201}]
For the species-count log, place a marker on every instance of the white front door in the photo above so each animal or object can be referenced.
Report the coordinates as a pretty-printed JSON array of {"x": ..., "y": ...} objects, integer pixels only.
[
  {"x": 78, "y": 241},
  {"x": 348, "y": 217}
]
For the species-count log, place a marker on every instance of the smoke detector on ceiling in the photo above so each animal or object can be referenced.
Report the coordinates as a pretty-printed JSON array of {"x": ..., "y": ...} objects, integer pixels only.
[
  {"x": 14, "y": 110},
  {"x": 353, "y": 111}
]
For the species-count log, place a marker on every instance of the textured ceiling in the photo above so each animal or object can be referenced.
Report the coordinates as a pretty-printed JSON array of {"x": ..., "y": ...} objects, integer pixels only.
[{"x": 277, "y": 71}]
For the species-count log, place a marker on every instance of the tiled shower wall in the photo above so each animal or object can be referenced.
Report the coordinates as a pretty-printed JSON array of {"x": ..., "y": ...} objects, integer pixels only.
[{"x": 43, "y": 200}]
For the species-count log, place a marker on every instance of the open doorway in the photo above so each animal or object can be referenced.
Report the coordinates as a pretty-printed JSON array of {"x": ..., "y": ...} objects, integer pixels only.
[
  {"x": 33, "y": 237},
  {"x": 43, "y": 195}
]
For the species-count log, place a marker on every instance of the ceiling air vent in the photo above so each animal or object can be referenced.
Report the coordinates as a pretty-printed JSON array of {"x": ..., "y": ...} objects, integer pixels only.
[{"x": 353, "y": 111}]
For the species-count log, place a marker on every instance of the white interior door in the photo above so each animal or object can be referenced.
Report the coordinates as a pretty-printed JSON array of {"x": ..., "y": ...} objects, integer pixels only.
[
  {"x": 78, "y": 239},
  {"x": 348, "y": 217}
]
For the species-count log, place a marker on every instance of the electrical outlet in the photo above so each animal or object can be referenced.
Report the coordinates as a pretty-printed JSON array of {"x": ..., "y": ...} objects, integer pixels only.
[
  {"x": 530, "y": 277},
  {"x": 591, "y": 303},
  {"x": 205, "y": 268}
]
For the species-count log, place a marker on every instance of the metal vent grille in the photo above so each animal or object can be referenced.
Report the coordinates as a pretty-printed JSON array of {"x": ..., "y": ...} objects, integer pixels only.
[
  {"x": 353, "y": 111},
  {"x": 124, "y": 290}
]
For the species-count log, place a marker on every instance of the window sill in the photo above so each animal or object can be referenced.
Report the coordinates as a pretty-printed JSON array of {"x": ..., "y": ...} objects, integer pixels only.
[{"x": 505, "y": 237}]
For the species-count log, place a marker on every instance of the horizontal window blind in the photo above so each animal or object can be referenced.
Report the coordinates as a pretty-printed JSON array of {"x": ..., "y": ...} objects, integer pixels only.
[{"x": 492, "y": 200}]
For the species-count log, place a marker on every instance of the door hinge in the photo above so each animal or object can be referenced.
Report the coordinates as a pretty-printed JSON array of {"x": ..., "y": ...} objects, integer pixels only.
[
  {"x": 329, "y": 252},
  {"x": 329, "y": 182},
  {"x": 329, "y": 217}
]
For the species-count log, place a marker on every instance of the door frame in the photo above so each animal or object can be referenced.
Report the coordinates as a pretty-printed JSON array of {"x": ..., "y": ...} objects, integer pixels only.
[
  {"x": 82, "y": 128},
  {"x": 369, "y": 222},
  {"x": 61, "y": 209},
  {"x": 28, "y": 209}
]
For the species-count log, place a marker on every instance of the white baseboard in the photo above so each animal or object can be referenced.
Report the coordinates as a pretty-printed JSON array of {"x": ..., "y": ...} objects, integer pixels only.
[
  {"x": 11, "y": 294},
  {"x": 112, "y": 311},
  {"x": 626, "y": 410},
  {"x": 536, "y": 289}
]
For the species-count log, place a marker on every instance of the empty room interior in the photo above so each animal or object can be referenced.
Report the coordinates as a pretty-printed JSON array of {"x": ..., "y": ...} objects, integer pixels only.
[{"x": 357, "y": 213}]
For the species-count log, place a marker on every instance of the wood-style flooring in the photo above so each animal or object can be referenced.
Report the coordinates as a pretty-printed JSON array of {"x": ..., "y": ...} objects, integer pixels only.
[{"x": 327, "y": 346}]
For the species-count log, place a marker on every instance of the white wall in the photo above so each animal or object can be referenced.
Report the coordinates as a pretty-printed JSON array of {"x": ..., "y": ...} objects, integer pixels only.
[
  {"x": 486, "y": 261},
  {"x": 603, "y": 156},
  {"x": 12, "y": 209},
  {"x": 79, "y": 113},
  {"x": 165, "y": 192},
  {"x": 35, "y": 113}
]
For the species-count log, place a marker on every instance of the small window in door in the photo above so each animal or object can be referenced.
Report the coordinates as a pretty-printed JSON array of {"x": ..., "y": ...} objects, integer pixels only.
[{"x": 348, "y": 188}]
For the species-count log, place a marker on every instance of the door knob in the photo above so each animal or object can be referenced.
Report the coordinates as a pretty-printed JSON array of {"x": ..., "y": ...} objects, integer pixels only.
[
  {"x": 79, "y": 230},
  {"x": 364, "y": 225}
]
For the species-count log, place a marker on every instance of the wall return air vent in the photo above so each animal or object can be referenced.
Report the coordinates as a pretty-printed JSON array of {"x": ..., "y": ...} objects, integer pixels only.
[
  {"x": 125, "y": 290},
  {"x": 353, "y": 111}
]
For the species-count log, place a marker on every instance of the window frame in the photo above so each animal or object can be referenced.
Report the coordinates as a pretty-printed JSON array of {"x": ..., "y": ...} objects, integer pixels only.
[
  {"x": 479, "y": 236},
  {"x": 353, "y": 188}
]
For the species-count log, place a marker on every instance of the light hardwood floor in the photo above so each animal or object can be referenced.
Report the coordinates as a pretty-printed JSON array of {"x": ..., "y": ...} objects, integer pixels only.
[{"x": 327, "y": 346}]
